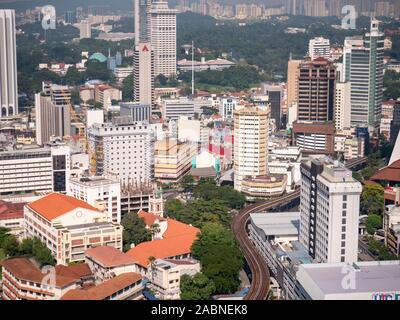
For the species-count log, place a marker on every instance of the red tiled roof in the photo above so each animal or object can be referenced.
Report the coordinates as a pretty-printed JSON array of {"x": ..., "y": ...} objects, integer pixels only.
[
  {"x": 9, "y": 210},
  {"x": 109, "y": 257},
  {"x": 55, "y": 205},
  {"x": 24, "y": 269},
  {"x": 149, "y": 218},
  {"x": 389, "y": 173},
  {"x": 177, "y": 240},
  {"x": 105, "y": 289}
]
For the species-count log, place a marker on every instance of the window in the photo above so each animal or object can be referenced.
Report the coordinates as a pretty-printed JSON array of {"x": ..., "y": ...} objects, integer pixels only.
[
  {"x": 345, "y": 198},
  {"x": 343, "y": 236}
]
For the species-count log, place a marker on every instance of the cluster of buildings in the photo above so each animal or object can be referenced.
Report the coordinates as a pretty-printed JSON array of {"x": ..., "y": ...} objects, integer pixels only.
[{"x": 311, "y": 8}]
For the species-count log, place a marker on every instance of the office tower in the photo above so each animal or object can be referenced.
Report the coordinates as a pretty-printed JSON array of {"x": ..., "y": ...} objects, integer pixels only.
[
  {"x": 342, "y": 105},
  {"x": 79, "y": 14},
  {"x": 227, "y": 107},
  {"x": 292, "y": 81},
  {"x": 251, "y": 143},
  {"x": 275, "y": 96},
  {"x": 123, "y": 149},
  {"x": 172, "y": 109},
  {"x": 363, "y": 67},
  {"x": 163, "y": 38},
  {"x": 143, "y": 58},
  {"x": 316, "y": 90},
  {"x": 35, "y": 170},
  {"x": 85, "y": 29},
  {"x": 70, "y": 17},
  {"x": 135, "y": 111},
  {"x": 395, "y": 124},
  {"x": 53, "y": 112},
  {"x": 313, "y": 131},
  {"x": 329, "y": 211},
  {"x": 8, "y": 65},
  {"x": 319, "y": 47},
  {"x": 315, "y": 8}
]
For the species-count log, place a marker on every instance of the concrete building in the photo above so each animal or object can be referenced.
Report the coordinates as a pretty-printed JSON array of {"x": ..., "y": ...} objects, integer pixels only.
[
  {"x": 319, "y": 47},
  {"x": 136, "y": 111},
  {"x": 105, "y": 94},
  {"x": 342, "y": 105},
  {"x": 329, "y": 206},
  {"x": 172, "y": 109},
  {"x": 391, "y": 226},
  {"x": 172, "y": 160},
  {"x": 53, "y": 112},
  {"x": 372, "y": 280},
  {"x": 35, "y": 170},
  {"x": 100, "y": 192},
  {"x": 227, "y": 107},
  {"x": 395, "y": 125},
  {"x": 165, "y": 276},
  {"x": 275, "y": 97},
  {"x": 85, "y": 29},
  {"x": 122, "y": 149},
  {"x": 251, "y": 144},
  {"x": 68, "y": 227},
  {"x": 189, "y": 129},
  {"x": 23, "y": 280},
  {"x": 163, "y": 38},
  {"x": 363, "y": 65},
  {"x": 314, "y": 137},
  {"x": 8, "y": 65},
  {"x": 143, "y": 58},
  {"x": 292, "y": 81},
  {"x": 12, "y": 217},
  {"x": 107, "y": 262}
]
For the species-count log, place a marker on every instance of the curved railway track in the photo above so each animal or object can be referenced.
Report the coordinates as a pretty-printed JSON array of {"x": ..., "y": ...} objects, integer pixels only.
[{"x": 260, "y": 274}]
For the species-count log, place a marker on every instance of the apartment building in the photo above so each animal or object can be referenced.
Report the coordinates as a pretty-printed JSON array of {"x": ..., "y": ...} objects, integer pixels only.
[
  {"x": 319, "y": 47},
  {"x": 68, "y": 226},
  {"x": 329, "y": 206}
]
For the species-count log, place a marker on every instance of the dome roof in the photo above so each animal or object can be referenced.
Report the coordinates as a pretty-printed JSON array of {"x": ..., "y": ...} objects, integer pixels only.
[{"x": 98, "y": 56}]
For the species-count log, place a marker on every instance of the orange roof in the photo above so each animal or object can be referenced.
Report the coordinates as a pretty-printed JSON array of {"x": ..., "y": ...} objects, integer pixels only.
[
  {"x": 390, "y": 173},
  {"x": 177, "y": 240},
  {"x": 24, "y": 269},
  {"x": 109, "y": 257},
  {"x": 149, "y": 218},
  {"x": 55, "y": 205},
  {"x": 9, "y": 210},
  {"x": 104, "y": 290}
]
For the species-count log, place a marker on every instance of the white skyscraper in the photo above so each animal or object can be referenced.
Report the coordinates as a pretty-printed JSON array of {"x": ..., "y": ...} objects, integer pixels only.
[
  {"x": 319, "y": 47},
  {"x": 143, "y": 59},
  {"x": 124, "y": 150},
  {"x": 163, "y": 38},
  {"x": 342, "y": 105},
  {"x": 8, "y": 65},
  {"x": 329, "y": 208}
]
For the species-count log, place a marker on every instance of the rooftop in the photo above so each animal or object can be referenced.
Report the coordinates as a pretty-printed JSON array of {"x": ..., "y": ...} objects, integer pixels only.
[
  {"x": 389, "y": 173},
  {"x": 104, "y": 290},
  {"x": 55, "y": 205},
  {"x": 277, "y": 223},
  {"x": 371, "y": 276},
  {"x": 109, "y": 257},
  {"x": 9, "y": 210}
]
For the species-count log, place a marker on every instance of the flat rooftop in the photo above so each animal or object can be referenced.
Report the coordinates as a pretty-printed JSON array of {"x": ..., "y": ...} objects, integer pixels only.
[
  {"x": 371, "y": 276},
  {"x": 277, "y": 223}
]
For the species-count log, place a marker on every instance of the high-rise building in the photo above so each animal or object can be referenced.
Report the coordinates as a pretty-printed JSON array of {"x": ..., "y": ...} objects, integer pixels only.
[
  {"x": 363, "y": 68},
  {"x": 143, "y": 58},
  {"x": 227, "y": 107},
  {"x": 316, "y": 91},
  {"x": 124, "y": 150},
  {"x": 251, "y": 143},
  {"x": 8, "y": 65},
  {"x": 329, "y": 211},
  {"x": 395, "y": 124},
  {"x": 163, "y": 38},
  {"x": 292, "y": 81},
  {"x": 136, "y": 111},
  {"x": 53, "y": 112},
  {"x": 342, "y": 105},
  {"x": 319, "y": 47},
  {"x": 275, "y": 97},
  {"x": 85, "y": 29}
]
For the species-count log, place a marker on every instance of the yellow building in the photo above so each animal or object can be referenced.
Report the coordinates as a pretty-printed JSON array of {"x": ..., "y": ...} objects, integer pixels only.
[{"x": 172, "y": 160}]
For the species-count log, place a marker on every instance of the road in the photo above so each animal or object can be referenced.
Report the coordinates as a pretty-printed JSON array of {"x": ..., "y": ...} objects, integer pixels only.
[{"x": 260, "y": 274}]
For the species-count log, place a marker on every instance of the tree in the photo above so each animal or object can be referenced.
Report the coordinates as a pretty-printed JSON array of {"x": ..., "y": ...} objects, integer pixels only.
[
  {"x": 73, "y": 77},
  {"x": 127, "y": 88},
  {"x": 374, "y": 222},
  {"x": 372, "y": 200},
  {"x": 220, "y": 257},
  {"x": 161, "y": 80},
  {"x": 135, "y": 230},
  {"x": 377, "y": 248},
  {"x": 197, "y": 287},
  {"x": 42, "y": 253},
  {"x": 187, "y": 183},
  {"x": 10, "y": 246}
]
